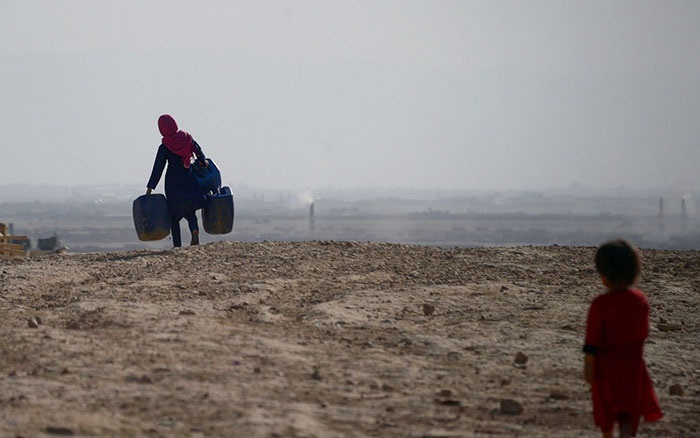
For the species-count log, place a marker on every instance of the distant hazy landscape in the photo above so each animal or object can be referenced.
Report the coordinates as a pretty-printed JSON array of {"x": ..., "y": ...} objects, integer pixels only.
[{"x": 96, "y": 219}]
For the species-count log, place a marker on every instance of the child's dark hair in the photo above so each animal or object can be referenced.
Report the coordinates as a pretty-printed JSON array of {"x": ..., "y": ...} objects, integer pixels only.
[{"x": 618, "y": 261}]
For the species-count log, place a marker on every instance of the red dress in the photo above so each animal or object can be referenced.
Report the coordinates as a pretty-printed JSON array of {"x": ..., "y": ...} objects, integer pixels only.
[{"x": 618, "y": 325}]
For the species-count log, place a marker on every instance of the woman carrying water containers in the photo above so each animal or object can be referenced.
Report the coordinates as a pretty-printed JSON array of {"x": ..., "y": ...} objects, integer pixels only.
[{"x": 183, "y": 194}]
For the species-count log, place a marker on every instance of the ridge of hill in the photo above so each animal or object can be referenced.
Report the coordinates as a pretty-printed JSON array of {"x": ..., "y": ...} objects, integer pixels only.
[{"x": 326, "y": 339}]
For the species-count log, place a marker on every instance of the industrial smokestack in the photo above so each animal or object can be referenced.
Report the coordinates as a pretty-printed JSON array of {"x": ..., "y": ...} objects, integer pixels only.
[
  {"x": 684, "y": 217},
  {"x": 312, "y": 220}
]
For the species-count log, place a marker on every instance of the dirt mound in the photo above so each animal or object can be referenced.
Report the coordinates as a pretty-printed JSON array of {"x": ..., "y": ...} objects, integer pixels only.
[{"x": 326, "y": 339}]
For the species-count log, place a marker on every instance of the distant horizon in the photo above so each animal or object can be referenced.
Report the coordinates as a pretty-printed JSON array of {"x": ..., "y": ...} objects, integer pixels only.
[{"x": 135, "y": 189}]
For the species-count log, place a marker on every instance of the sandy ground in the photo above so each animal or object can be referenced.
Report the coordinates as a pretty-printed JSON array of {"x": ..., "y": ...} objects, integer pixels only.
[{"x": 325, "y": 339}]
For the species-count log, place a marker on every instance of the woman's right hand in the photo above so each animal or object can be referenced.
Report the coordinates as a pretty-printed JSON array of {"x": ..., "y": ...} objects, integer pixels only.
[{"x": 589, "y": 368}]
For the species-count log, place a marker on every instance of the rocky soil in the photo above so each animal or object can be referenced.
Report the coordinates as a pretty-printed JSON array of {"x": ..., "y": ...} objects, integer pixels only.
[{"x": 326, "y": 339}]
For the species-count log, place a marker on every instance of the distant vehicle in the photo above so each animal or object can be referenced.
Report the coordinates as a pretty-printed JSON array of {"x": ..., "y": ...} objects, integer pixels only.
[
  {"x": 12, "y": 246},
  {"x": 49, "y": 245}
]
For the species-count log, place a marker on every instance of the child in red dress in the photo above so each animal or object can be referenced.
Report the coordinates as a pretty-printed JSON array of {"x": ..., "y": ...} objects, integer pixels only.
[{"x": 618, "y": 325}]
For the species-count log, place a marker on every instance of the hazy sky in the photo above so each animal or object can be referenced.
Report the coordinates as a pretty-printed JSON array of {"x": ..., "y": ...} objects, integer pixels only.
[{"x": 308, "y": 94}]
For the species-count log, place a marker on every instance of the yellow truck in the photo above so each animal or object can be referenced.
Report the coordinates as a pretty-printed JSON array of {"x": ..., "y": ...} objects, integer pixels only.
[{"x": 12, "y": 246}]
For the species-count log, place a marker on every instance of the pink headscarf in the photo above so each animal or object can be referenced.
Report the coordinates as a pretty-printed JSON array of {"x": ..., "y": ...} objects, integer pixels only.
[{"x": 178, "y": 142}]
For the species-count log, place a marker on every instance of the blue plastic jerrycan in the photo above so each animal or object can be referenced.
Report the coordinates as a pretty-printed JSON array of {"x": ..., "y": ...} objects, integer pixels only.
[
  {"x": 151, "y": 217},
  {"x": 217, "y": 214},
  {"x": 208, "y": 177}
]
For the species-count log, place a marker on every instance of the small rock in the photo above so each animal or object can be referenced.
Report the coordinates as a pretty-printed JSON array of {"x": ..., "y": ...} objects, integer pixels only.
[
  {"x": 454, "y": 355},
  {"x": 145, "y": 379},
  {"x": 33, "y": 322},
  {"x": 449, "y": 402},
  {"x": 428, "y": 309},
  {"x": 136, "y": 379},
  {"x": 446, "y": 393},
  {"x": 73, "y": 325},
  {"x": 520, "y": 360},
  {"x": 668, "y": 327},
  {"x": 511, "y": 407},
  {"x": 446, "y": 397},
  {"x": 187, "y": 312},
  {"x": 676, "y": 390},
  {"x": 219, "y": 277},
  {"x": 63, "y": 431},
  {"x": 316, "y": 375},
  {"x": 556, "y": 395}
]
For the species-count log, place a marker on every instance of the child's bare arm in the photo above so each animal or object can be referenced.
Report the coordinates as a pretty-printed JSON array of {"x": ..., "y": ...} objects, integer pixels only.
[{"x": 588, "y": 367}]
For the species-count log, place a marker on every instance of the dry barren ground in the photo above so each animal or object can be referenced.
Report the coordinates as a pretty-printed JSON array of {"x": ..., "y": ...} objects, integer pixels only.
[{"x": 325, "y": 339}]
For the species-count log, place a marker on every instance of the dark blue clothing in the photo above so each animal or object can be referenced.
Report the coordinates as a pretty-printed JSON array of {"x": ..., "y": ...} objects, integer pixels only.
[{"x": 181, "y": 190}]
